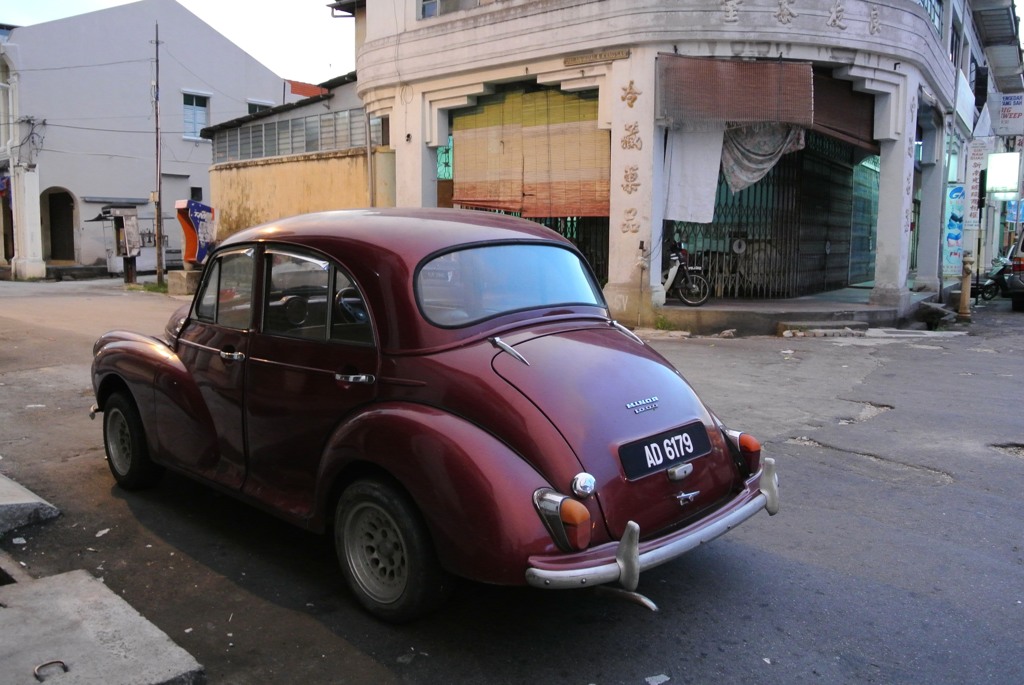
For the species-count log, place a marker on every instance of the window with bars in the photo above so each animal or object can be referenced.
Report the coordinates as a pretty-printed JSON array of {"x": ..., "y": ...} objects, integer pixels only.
[
  {"x": 196, "y": 113},
  {"x": 317, "y": 133}
]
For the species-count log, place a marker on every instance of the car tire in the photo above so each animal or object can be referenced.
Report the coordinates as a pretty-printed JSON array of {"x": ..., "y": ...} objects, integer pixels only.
[
  {"x": 386, "y": 553},
  {"x": 1017, "y": 303},
  {"x": 124, "y": 439}
]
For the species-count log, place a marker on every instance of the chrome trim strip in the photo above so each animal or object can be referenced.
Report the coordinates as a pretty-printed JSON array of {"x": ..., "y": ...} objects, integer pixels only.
[
  {"x": 505, "y": 347},
  {"x": 613, "y": 571},
  {"x": 628, "y": 333}
]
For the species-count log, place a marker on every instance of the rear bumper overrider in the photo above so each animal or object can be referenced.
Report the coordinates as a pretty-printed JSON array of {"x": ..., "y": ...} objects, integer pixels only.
[{"x": 623, "y": 561}]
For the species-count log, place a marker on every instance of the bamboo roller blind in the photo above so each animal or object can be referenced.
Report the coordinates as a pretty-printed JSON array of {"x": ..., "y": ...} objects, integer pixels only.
[{"x": 536, "y": 152}]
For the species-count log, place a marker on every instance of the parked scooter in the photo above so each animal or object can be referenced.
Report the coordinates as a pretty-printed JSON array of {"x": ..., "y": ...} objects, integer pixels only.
[
  {"x": 996, "y": 283},
  {"x": 682, "y": 279}
]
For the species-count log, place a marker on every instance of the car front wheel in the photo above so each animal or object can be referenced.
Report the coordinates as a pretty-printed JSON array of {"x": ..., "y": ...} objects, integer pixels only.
[
  {"x": 386, "y": 554},
  {"x": 125, "y": 441}
]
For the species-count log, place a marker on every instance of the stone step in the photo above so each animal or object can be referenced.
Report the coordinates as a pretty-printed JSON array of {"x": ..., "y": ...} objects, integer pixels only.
[{"x": 822, "y": 329}]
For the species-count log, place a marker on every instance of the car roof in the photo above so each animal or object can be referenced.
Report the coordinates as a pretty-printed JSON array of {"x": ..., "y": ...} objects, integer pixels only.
[
  {"x": 382, "y": 248},
  {"x": 412, "y": 233}
]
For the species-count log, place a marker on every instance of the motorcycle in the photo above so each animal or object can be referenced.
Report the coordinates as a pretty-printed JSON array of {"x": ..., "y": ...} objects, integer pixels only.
[
  {"x": 684, "y": 280},
  {"x": 996, "y": 283}
]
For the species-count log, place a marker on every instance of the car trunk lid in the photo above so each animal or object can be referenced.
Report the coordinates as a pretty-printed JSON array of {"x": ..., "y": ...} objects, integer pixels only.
[{"x": 633, "y": 422}]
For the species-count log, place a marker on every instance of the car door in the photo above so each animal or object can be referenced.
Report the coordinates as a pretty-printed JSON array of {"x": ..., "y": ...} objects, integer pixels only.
[
  {"x": 313, "y": 362},
  {"x": 210, "y": 439}
]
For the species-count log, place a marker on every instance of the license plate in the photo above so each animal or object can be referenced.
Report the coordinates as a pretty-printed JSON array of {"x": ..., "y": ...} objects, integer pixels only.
[{"x": 659, "y": 452}]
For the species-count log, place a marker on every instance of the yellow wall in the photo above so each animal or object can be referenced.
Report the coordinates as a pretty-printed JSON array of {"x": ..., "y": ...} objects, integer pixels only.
[{"x": 248, "y": 193}]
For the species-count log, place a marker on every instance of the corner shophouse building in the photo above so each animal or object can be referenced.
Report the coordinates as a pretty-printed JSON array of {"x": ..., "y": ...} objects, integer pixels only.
[{"x": 610, "y": 121}]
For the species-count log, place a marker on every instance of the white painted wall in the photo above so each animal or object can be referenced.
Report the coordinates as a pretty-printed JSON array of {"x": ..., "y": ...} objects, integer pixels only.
[{"x": 86, "y": 84}]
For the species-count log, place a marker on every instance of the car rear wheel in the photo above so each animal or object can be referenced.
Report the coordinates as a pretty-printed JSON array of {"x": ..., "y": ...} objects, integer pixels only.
[
  {"x": 386, "y": 553},
  {"x": 1017, "y": 303},
  {"x": 125, "y": 441}
]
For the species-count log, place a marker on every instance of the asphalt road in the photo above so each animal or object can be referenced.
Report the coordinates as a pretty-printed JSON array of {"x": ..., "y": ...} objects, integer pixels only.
[{"x": 897, "y": 556}]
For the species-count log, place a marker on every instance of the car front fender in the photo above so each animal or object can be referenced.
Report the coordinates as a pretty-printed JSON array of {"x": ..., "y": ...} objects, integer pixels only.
[
  {"x": 475, "y": 494},
  {"x": 126, "y": 359},
  {"x": 160, "y": 385}
]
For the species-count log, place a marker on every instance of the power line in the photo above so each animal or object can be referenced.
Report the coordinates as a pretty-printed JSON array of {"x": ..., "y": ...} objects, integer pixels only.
[{"x": 81, "y": 66}]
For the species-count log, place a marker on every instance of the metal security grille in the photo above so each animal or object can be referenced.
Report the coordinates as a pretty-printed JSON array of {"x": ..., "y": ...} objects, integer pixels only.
[
  {"x": 747, "y": 251},
  {"x": 865, "y": 219},
  {"x": 787, "y": 235},
  {"x": 589, "y": 234}
]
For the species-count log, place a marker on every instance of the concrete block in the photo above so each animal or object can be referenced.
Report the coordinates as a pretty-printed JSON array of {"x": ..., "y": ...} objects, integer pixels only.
[
  {"x": 183, "y": 282},
  {"x": 85, "y": 634},
  {"x": 811, "y": 328},
  {"x": 20, "y": 507}
]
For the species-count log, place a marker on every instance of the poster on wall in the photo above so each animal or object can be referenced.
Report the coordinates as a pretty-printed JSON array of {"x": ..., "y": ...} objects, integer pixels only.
[{"x": 953, "y": 236}]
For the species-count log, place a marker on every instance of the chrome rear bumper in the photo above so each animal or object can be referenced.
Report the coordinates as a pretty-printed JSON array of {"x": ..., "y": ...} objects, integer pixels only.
[{"x": 629, "y": 562}]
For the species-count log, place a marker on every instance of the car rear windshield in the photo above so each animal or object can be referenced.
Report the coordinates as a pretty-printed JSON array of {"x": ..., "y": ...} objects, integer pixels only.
[{"x": 472, "y": 284}]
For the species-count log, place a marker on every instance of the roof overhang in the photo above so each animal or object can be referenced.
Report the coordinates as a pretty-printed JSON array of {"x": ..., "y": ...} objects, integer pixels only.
[
  {"x": 999, "y": 30},
  {"x": 346, "y": 8}
]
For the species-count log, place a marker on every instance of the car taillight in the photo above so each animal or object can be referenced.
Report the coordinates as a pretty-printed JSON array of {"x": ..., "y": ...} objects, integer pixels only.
[
  {"x": 567, "y": 519},
  {"x": 1018, "y": 265},
  {"x": 750, "y": 448}
]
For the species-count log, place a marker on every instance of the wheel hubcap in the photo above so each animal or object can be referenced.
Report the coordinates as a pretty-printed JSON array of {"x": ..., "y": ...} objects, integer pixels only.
[
  {"x": 119, "y": 442},
  {"x": 375, "y": 551}
]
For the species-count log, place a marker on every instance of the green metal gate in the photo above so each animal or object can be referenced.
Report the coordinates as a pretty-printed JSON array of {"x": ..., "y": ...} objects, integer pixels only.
[{"x": 787, "y": 235}]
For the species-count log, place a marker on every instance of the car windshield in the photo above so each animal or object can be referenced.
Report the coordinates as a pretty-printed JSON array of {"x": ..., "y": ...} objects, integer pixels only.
[{"x": 476, "y": 283}]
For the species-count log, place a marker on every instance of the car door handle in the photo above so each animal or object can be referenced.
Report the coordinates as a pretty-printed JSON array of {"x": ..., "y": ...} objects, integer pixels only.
[
  {"x": 360, "y": 378},
  {"x": 232, "y": 356}
]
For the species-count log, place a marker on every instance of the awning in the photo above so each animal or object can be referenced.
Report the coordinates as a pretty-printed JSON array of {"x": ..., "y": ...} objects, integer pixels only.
[{"x": 699, "y": 94}]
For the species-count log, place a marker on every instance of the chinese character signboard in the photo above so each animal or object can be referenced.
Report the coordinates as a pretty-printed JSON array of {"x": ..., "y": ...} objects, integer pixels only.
[
  {"x": 1008, "y": 115},
  {"x": 977, "y": 155}
]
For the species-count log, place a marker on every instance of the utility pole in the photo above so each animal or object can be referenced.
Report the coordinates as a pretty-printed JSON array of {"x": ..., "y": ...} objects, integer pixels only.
[{"x": 159, "y": 220}]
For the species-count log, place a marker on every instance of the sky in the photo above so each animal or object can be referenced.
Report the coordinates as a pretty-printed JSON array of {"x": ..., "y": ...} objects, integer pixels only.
[{"x": 301, "y": 42}]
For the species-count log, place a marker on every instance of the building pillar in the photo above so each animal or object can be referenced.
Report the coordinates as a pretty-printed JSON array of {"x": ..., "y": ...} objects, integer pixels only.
[
  {"x": 931, "y": 224},
  {"x": 634, "y": 228},
  {"x": 414, "y": 158},
  {"x": 28, "y": 243},
  {"x": 897, "y": 112}
]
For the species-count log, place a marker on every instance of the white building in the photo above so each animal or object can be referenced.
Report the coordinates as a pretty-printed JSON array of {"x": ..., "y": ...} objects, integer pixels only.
[
  {"x": 614, "y": 118},
  {"x": 78, "y": 127}
]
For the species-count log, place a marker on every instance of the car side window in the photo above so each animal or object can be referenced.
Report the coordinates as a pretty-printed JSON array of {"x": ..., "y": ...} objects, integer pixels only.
[
  {"x": 298, "y": 296},
  {"x": 226, "y": 297},
  {"x": 309, "y": 297},
  {"x": 350, "y": 320}
]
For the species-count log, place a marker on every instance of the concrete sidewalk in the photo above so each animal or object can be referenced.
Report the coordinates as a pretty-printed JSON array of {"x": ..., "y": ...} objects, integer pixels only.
[{"x": 71, "y": 628}]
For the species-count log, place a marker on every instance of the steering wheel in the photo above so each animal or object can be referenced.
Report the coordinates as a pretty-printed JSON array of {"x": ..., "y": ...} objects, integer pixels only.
[
  {"x": 350, "y": 306},
  {"x": 295, "y": 310}
]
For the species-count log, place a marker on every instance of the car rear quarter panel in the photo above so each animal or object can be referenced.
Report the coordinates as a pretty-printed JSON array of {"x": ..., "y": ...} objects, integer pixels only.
[{"x": 475, "y": 494}]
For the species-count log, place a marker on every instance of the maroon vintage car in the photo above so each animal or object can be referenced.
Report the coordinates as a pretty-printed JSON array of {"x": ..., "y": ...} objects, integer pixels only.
[{"x": 444, "y": 391}]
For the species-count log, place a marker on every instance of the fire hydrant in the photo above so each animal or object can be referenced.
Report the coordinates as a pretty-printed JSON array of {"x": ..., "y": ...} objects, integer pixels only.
[{"x": 965, "y": 288}]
